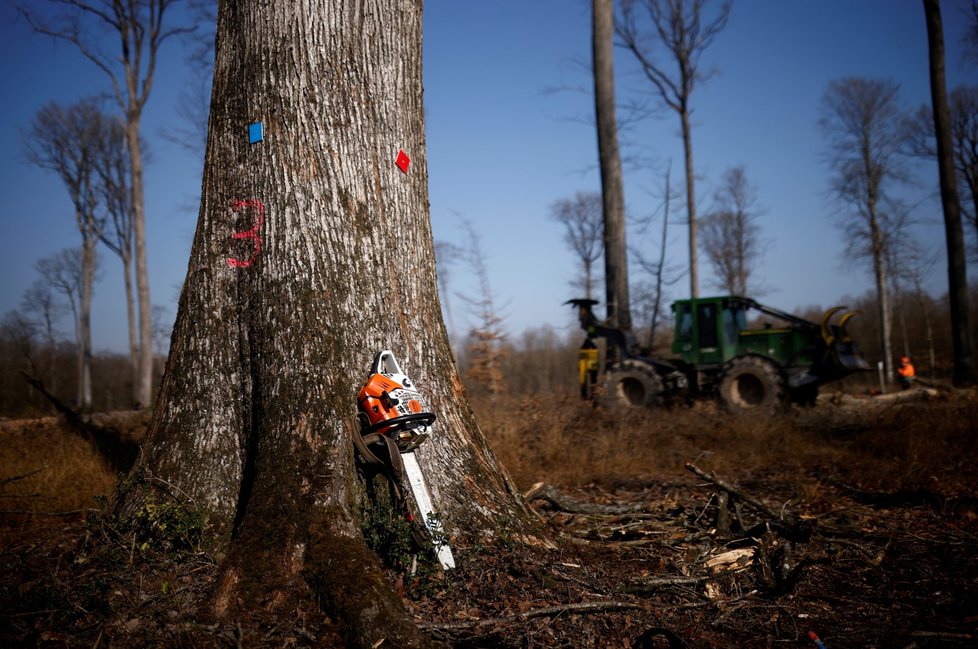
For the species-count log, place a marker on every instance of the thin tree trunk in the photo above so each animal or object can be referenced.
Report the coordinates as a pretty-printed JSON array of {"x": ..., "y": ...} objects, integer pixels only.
[
  {"x": 964, "y": 363},
  {"x": 144, "y": 382},
  {"x": 694, "y": 276},
  {"x": 612, "y": 188},
  {"x": 882, "y": 291},
  {"x": 131, "y": 319},
  {"x": 85, "y": 324}
]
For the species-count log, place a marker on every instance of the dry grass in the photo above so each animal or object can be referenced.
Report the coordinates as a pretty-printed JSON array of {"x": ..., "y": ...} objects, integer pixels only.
[
  {"x": 870, "y": 443},
  {"x": 917, "y": 446},
  {"x": 53, "y": 469}
]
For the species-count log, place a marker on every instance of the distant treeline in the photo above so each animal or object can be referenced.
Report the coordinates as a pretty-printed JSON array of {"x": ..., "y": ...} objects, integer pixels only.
[{"x": 537, "y": 361}]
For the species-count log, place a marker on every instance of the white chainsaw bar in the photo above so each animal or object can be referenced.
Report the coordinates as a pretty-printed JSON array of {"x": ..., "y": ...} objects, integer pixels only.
[{"x": 423, "y": 500}]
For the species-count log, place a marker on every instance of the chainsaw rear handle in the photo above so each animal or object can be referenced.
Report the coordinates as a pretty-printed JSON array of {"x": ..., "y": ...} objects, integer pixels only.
[{"x": 385, "y": 359}]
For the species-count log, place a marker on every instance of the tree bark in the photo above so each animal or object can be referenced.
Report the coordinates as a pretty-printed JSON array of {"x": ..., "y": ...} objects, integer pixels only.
[
  {"x": 694, "y": 273},
  {"x": 612, "y": 187},
  {"x": 313, "y": 251},
  {"x": 144, "y": 381},
  {"x": 964, "y": 364}
]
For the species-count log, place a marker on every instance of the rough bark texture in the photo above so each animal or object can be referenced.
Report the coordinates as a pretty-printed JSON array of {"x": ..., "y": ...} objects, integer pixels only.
[
  {"x": 313, "y": 251},
  {"x": 612, "y": 189},
  {"x": 964, "y": 364}
]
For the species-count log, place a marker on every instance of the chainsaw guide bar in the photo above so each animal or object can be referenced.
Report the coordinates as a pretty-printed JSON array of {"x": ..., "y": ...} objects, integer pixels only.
[{"x": 393, "y": 417}]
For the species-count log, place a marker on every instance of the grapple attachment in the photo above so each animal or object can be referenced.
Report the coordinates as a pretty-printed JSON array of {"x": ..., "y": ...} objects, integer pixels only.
[{"x": 843, "y": 350}]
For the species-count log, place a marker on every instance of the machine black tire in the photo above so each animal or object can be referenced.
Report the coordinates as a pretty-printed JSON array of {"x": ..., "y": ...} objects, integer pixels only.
[
  {"x": 632, "y": 384},
  {"x": 751, "y": 382}
]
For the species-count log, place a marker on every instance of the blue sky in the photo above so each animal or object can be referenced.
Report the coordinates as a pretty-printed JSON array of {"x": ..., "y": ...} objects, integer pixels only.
[{"x": 502, "y": 146}]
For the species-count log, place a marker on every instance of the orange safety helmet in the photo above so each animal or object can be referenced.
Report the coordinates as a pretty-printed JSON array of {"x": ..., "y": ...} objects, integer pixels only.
[
  {"x": 389, "y": 405},
  {"x": 904, "y": 359}
]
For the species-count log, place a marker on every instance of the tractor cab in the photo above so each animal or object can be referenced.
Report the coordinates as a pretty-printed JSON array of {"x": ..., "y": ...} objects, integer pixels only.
[{"x": 708, "y": 329}]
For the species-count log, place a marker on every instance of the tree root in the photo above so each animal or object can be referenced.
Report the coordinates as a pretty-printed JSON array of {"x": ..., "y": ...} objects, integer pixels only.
[{"x": 348, "y": 580}]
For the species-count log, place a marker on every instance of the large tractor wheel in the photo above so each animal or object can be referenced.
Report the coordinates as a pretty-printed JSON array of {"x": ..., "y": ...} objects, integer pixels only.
[
  {"x": 751, "y": 382},
  {"x": 634, "y": 384}
]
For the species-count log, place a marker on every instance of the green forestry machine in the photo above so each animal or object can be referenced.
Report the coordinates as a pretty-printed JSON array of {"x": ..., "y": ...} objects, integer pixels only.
[{"x": 716, "y": 354}]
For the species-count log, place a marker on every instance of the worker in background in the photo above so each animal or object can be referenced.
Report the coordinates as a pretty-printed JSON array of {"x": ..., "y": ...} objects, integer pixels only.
[{"x": 906, "y": 373}]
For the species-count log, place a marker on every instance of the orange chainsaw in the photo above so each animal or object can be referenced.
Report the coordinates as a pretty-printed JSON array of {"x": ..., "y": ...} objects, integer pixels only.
[{"x": 393, "y": 413}]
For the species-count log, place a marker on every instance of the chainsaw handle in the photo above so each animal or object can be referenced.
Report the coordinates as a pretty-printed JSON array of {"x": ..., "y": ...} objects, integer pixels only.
[{"x": 385, "y": 358}]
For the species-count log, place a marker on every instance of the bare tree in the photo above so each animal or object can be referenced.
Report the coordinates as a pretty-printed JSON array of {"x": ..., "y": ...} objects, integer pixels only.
[
  {"x": 964, "y": 362},
  {"x": 447, "y": 255},
  {"x": 685, "y": 31},
  {"x": 139, "y": 30},
  {"x": 484, "y": 350},
  {"x": 313, "y": 251},
  {"x": 731, "y": 237},
  {"x": 609, "y": 159},
  {"x": 20, "y": 330},
  {"x": 39, "y": 304},
  {"x": 112, "y": 165},
  {"x": 66, "y": 140},
  {"x": 863, "y": 128},
  {"x": 66, "y": 273},
  {"x": 970, "y": 37},
  {"x": 963, "y": 109},
  {"x": 583, "y": 221},
  {"x": 662, "y": 276}
]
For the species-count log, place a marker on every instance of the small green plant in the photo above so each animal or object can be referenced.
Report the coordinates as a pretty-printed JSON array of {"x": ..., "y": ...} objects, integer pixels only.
[
  {"x": 166, "y": 526},
  {"x": 402, "y": 544},
  {"x": 163, "y": 525}
]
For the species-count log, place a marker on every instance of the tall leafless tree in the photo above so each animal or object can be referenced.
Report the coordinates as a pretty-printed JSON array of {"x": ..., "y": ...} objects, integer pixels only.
[
  {"x": 964, "y": 362},
  {"x": 65, "y": 140},
  {"x": 112, "y": 166},
  {"x": 313, "y": 252},
  {"x": 731, "y": 236},
  {"x": 685, "y": 31},
  {"x": 609, "y": 159},
  {"x": 863, "y": 127},
  {"x": 139, "y": 29},
  {"x": 583, "y": 220}
]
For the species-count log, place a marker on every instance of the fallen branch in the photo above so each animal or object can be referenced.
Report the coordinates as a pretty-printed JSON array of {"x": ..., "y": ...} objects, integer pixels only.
[
  {"x": 6, "y": 481},
  {"x": 653, "y": 584},
  {"x": 565, "y": 503},
  {"x": 547, "y": 611},
  {"x": 734, "y": 491},
  {"x": 120, "y": 454}
]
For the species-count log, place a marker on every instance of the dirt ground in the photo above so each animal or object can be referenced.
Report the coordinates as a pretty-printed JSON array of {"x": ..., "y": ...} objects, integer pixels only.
[{"x": 873, "y": 545}]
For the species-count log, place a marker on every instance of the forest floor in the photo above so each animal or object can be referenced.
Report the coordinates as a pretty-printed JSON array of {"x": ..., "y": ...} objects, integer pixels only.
[{"x": 852, "y": 524}]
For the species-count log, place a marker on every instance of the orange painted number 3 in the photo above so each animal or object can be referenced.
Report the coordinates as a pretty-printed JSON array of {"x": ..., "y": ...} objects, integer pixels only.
[{"x": 252, "y": 233}]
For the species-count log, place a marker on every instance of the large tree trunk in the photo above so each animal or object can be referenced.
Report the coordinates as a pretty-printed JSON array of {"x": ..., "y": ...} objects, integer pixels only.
[
  {"x": 964, "y": 363},
  {"x": 612, "y": 187},
  {"x": 313, "y": 252}
]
